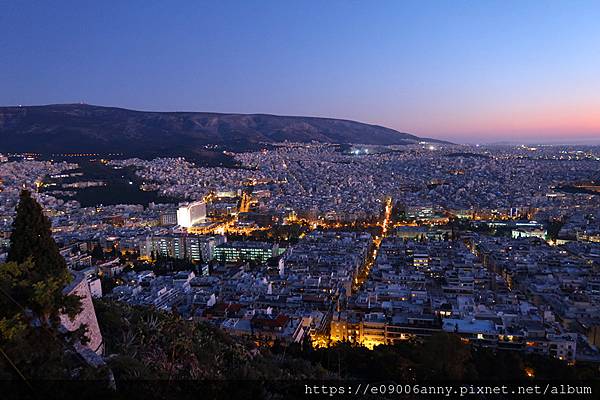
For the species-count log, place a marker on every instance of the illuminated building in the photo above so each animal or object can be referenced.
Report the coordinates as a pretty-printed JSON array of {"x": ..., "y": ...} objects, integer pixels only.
[
  {"x": 376, "y": 328},
  {"x": 245, "y": 251},
  {"x": 421, "y": 261},
  {"x": 190, "y": 247},
  {"x": 191, "y": 214},
  {"x": 206, "y": 228},
  {"x": 166, "y": 246},
  {"x": 529, "y": 232},
  {"x": 201, "y": 248}
]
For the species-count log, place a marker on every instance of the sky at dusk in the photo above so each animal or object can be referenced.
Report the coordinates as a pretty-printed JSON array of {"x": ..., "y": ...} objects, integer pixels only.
[{"x": 466, "y": 71}]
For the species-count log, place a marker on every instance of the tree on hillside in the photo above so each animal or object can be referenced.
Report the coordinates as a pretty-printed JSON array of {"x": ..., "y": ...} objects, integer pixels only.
[
  {"x": 32, "y": 300},
  {"x": 44, "y": 277}
]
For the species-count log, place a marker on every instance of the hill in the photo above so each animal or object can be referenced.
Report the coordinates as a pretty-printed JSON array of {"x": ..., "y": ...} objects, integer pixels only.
[{"x": 94, "y": 129}]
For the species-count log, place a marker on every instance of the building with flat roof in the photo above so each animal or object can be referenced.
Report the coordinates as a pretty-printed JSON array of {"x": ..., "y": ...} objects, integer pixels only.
[
  {"x": 245, "y": 251},
  {"x": 191, "y": 247},
  {"x": 189, "y": 215}
]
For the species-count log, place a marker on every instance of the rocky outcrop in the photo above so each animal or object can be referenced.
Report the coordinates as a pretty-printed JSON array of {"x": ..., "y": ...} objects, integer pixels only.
[{"x": 87, "y": 316}]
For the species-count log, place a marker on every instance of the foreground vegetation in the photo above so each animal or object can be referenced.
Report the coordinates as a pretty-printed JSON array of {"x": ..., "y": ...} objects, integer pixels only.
[{"x": 142, "y": 343}]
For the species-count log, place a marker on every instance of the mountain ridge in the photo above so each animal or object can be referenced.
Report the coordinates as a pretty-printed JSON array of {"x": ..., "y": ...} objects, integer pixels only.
[{"x": 60, "y": 128}]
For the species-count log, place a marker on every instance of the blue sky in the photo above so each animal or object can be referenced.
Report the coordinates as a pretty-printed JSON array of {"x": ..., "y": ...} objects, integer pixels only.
[{"x": 468, "y": 71}]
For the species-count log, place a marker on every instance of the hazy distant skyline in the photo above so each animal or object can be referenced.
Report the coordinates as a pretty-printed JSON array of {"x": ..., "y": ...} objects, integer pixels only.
[{"x": 465, "y": 71}]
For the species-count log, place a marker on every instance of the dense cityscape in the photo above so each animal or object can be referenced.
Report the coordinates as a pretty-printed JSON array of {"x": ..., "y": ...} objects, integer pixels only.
[
  {"x": 295, "y": 200},
  {"x": 321, "y": 243}
]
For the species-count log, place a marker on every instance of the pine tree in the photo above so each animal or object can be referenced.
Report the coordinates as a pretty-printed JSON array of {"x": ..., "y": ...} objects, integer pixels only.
[
  {"x": 44, "y": 272},
  {"x": 32, "y": 300}
]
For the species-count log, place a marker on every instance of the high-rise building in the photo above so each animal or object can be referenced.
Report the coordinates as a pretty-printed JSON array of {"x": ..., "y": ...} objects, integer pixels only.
[
  {"x": 201, "y": 248},
  {"x": 166, "y": 246},
  {"x": 191, "y": 214},
  {"x": 190, "y": 247}
]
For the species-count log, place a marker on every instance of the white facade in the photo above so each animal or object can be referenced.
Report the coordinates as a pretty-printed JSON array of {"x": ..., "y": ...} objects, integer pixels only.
[
  {"x": 191, "y": 214},
  {"x": 95, "y": 287}
]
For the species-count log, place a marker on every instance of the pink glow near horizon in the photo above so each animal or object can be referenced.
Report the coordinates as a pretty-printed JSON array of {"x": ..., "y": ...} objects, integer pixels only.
[{"x": 553, "y": 123}]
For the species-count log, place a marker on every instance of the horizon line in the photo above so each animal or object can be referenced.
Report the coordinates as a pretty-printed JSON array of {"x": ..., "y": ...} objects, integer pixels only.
[{"x": 453, "y": 139}]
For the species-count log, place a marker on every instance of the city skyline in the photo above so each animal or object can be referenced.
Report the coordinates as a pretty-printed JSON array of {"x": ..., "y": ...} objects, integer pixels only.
[
  {"x": 463, "y": 72},
  {"x": 260, "y": 199}
]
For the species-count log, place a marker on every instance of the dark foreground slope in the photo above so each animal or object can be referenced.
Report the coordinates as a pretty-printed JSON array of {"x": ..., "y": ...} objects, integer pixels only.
[
  {"x": 157, "y": 355},
  {"x": 86, "y": 128}
]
